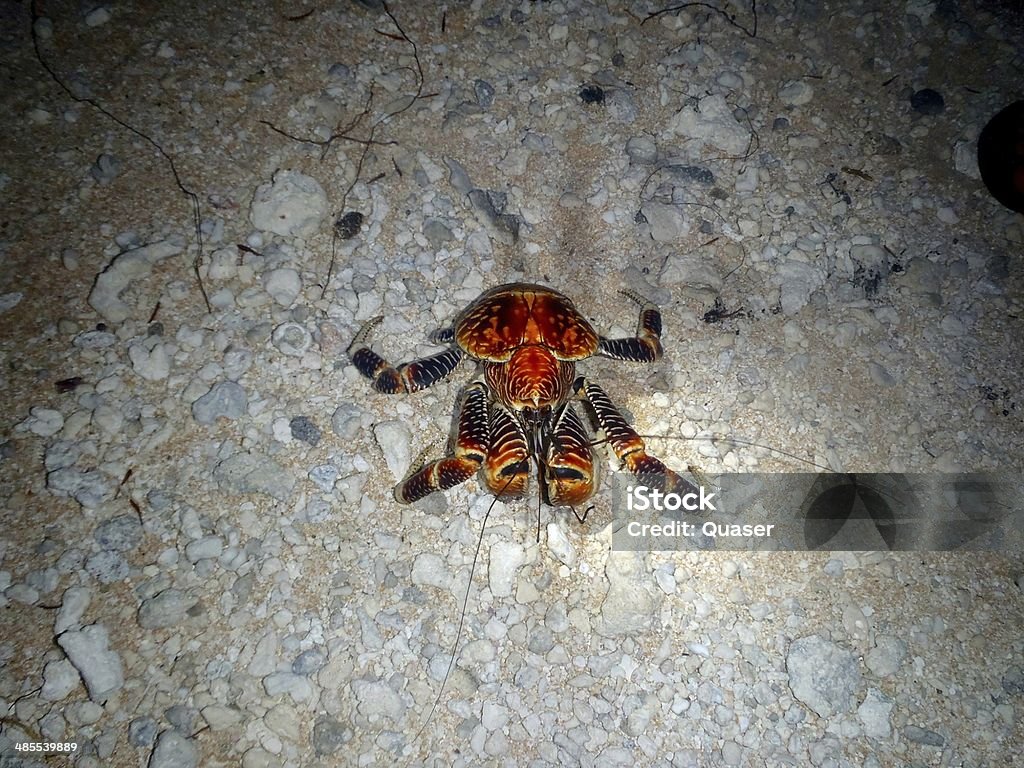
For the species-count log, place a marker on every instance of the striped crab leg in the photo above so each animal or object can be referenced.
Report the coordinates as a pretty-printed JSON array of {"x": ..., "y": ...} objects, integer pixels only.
[
  {"x": 627, "y": 444},
  {"x": 471, "y": 448},
  {"x": 645, "y": 347},
  {"x": 407, "y": 377},
  {"x": 569, "y": 464}
]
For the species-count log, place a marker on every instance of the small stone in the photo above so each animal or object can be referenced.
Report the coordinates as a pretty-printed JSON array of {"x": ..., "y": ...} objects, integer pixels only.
[
  {"x": 642, "y": 149},
  {"x": 10, "y": 300},
  {"x": 150, "y": 360},
  {"x": 666, "y": 222},
  {"x": 173, "y": 750},
  {"x": 560, "y": 545},
  {"x": 292, "y": 339},
  {"x": 165, "y": 609},
  {"x": 121, "y": 534},
  {"x": 297, "y": 687},
  {"x": 283, "y": 285},
  {"x": 72, "y": 607},
  {"x": 308, "y": 662},
  {"x": 437, "y": 233},
  {"x": 206, "y": 548},
  {"x": 127, "y": 268},
  {"x": 105, "y": 169},
  {"x": 429, "y": 570},
  {"x": 254, "y": 473},
  {"x": 887, "y": 655},
  {"x": 221, "y": 718},
  {"x": 97, "y": 17},
  {"x": 711, "y": 121},
  {"x": 107, "y": 567},
  {"x": 484, "y": 93},
  {"x": 874, "y": 714},
  {"x": 44, "y": 421},
  {"x": 394, "y": 439},
  {"x": 796, "y": 93},
  {"x": 283, "y": 720},
  {"x": 293, "y": 205},
  {"x": 142, "y": 732},
  {"x": 302, "y": 428},
  {"x": 99, "y": 666},
  {"x": 59, "y": 679},
  {"x": 226, "y": 399},
  {"x": 377, "y": 700},
  {"x": 330, "y": 735},
  {"x": 506, "y": 558},
  {"x": 822, "y": 675},
  {"x": 923, "y": 736}
]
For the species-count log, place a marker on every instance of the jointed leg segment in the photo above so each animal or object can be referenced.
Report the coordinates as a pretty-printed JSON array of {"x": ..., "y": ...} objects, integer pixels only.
[
  {"x": 627, "y": 444},
  {"x": 645, "y": 347},
  {"x": 408, "y": 377}
]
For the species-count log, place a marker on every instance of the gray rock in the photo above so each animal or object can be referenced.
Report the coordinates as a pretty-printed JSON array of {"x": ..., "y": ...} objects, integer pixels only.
[
  {"x": 254, "y": 473},
  {"x": 120, "y": 534},
  {"x": 107, "y": 566},
  {"x": 142, "y": 731},
  {"x": 72, "y": 607},
  {"x": 874, "y": 714},
  {"x": 296, "y": 686},
  {"x": 377, "y": 700},
  {"x": 59, "y": 679},
  {"x": 173, "y": 750},
  {"x": 330, "y": 735},
  {"x": 923, "y": 736},
  {"x": 642, "y": 149},
  {"x": 484, "y": 93},
  {"x": 437, "y": 233},
  {"x": 303, "y": 428},
  {"x": 99, "y": 666},
  {"x": 205, "y": 548},
  {"x": 713, "y": 123},
  {"x": 308, "y": 662},
  {"x": 125, "y": 269},
  {"x": 795, "y": 93},
  {"x": 165, "y": 609},
  {"x": 822, "y": 675},
  {"x": 105, "y": 169},
  {"x": 633, "y": 600},
  {"x": 293, "y": 205},
  {"x": 506, "y": 558},
  {"x": 395, "y": 439},
  {"x": 226, "y": 399},
  {"x": 283, "y": 285},
  {"x": 666, "y": 222},
  {"x": 292, "y": 339}
]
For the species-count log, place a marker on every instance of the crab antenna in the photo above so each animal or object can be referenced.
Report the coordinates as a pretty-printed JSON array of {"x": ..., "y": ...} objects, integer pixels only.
[{"x": 462, "y": 618}]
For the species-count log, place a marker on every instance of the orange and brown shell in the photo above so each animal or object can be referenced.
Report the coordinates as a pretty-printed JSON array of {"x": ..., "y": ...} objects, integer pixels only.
[{"x": 510, "y": 317}]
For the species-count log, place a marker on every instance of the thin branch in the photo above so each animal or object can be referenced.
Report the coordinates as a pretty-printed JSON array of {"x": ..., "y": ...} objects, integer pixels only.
[
  {"x": 193, "y": 198},
  {"x": 731, "y": 18}
]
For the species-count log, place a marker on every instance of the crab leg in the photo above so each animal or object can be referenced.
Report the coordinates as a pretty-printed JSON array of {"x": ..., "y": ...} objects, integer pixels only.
[
  {"x": 507, "y": 467},
  {"x": 408, "y": 377},
  {"x": 570, "y": 464},
  {"x": 471, "y": 446},
  {"x": 627, "y": 444},
  {"x": 645, "y": 347}
]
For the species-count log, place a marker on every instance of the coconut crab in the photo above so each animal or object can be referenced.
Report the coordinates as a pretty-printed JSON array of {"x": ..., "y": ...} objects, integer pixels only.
[{"x": 528, "y": 339}]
